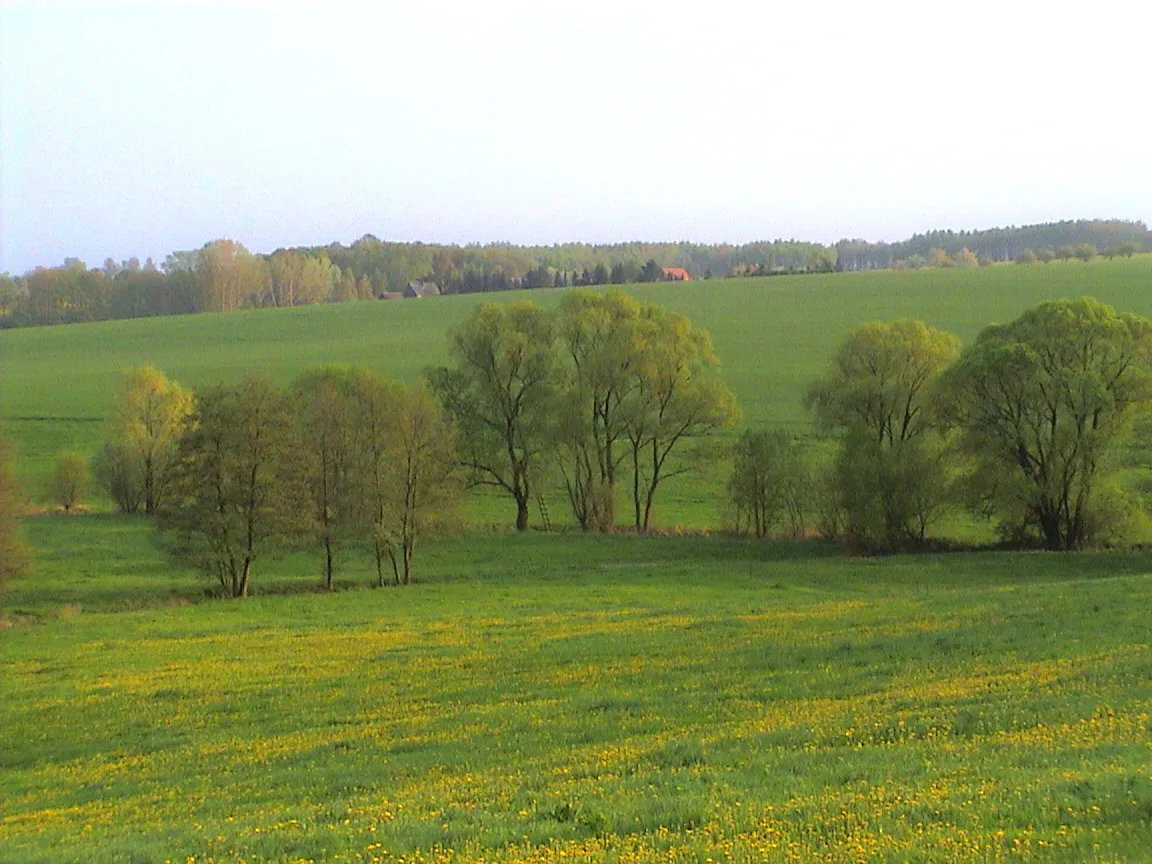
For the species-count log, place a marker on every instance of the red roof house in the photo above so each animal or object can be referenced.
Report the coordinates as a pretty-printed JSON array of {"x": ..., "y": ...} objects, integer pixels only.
[{"x": 674, "y": 274}]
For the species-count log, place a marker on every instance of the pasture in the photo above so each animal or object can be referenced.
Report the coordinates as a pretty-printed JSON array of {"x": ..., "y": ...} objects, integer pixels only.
[{"x": 589, "y": 698}]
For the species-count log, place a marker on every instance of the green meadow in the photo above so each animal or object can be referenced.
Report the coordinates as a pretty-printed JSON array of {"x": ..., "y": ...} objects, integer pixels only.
[
  {"x": 578, "y": 698},
  {"x": 564, "y": 697}
]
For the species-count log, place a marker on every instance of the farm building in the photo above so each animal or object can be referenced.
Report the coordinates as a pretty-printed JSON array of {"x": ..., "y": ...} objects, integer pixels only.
[
  {"x": 674, "y": 274},
  {"x": 422, "y": 289}
]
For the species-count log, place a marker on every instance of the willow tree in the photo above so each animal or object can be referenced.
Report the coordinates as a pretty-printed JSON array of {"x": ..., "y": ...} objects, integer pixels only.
[
  {"x": 877, "y": 395},
  {"x": 146, "y": 417},
  {"x": 676, "y": 402},
  {"x": 1042, "y": 403},
  {"x": 406, "y": 477},
  {"x": 604, "y": 337},
  {"x": 500, "y": 395}
]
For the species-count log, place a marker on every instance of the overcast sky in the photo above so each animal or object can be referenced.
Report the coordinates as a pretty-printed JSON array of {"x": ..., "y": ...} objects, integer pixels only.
[{"x": 137, "y": 130}]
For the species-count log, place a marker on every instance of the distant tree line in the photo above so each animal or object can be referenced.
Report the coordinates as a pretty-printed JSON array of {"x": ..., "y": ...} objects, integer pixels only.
[
  {"x": 223, "y": 275},
  {"x": 995, "y": 244}
]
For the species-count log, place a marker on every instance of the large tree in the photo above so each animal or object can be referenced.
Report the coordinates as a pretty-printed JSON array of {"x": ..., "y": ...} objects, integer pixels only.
[
  {"x": 147, "y": 415},
  {"x": 422, "y": 482},
  {"x": 501, "y": 395},
  {"x": 877, "y": 395},
  {"x": 405, "y": 474},
  {"x": 323, "y": 402},
  {"x": 1041, "y": 403},
  {"x": 677, "y": 401},
  {"x": 604, "y": 335},
  {"x": 235, "y": 493}
]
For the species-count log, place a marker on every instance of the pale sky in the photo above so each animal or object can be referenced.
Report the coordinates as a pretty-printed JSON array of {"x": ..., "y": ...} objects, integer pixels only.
[{"x": 140, "y": 129}]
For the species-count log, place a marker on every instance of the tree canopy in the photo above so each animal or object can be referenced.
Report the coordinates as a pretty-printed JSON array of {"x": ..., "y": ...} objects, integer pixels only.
[{"x": 1041, "y": 403}]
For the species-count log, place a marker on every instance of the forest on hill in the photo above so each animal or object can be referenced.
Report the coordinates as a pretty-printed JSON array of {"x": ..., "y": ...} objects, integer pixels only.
[{"x": 223, "y": 275}]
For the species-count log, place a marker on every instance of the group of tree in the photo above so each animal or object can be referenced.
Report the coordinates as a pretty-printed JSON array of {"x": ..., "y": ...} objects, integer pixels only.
[
  {"x": 1023, "y": 426},
  {"x": 602, "y": 389},
  {"x": 235, "y": 472}
]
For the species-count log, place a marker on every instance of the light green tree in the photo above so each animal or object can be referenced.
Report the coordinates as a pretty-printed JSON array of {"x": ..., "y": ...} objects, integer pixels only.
[
  {"x": 892, "y": 469},
  {"x": 236, "y": 495},
  {"x": 70, "y": 480},
  {"x": 145, "y": 419},
  {"x": 676, "y": 402},
  {"x": 323, "y": 402},
  {"x": 501, "y": 396},
  {"x": 1041, "y": 404},
  {"x": 406, "y": 476},
  {"x": 604, "y": 335},
  {"x": 770, "y": 482}
]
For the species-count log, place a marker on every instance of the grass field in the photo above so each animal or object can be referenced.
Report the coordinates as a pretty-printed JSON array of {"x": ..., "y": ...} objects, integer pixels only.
[
  {"x": 774, "y": 335},
  {"x": 547, "y": 698},
  {"x": 581, "y": 698}
]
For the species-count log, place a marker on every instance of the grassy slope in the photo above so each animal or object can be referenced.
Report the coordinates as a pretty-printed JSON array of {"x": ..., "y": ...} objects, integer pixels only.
[
  {"x": 773, "y": 335},
  {"x": 582, "y": 698}
]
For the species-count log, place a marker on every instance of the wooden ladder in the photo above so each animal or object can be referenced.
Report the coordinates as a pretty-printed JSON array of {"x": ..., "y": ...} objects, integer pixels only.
[{"x": 544, "y": 517}]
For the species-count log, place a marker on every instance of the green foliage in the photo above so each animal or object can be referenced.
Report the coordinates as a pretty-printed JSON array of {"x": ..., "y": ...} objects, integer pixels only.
[
  {"x": 770, "y": 483},
  {"x": 236, "y": 493},
  {"x": 118, "y": 472},
  {"x": 890, "y": 495},
  {"x": 406, "y": 478},
  {"x": 501, "y": 395},
  {"x": 676, "y": 402},
  {"x": 762, "y": 331},
  {"x": 145, "y": 417},
  {"x": 891, "y": 473},
  {"x": 71, "y": 481},
  {"x": 1042, "y": 403},
  {"x": 324, "y": 403}
]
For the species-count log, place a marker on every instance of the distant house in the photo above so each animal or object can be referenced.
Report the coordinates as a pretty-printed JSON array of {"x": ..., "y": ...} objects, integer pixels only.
[
  {"x": 674, "y": 274},
  {"x": 422, "y": 289}
]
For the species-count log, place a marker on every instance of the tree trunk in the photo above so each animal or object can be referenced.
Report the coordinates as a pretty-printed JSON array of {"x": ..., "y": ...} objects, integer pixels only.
[
  {"x": 408, "y": 562},
  {"x": 1050, "y": 525},
  {"x": 379, "y": 552},
  {"x": 640, "y": 526},
  {"x": 522, "y": 512},
  {"x": 327, "y": 563},
  {"x": 244, "y": 574}
]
